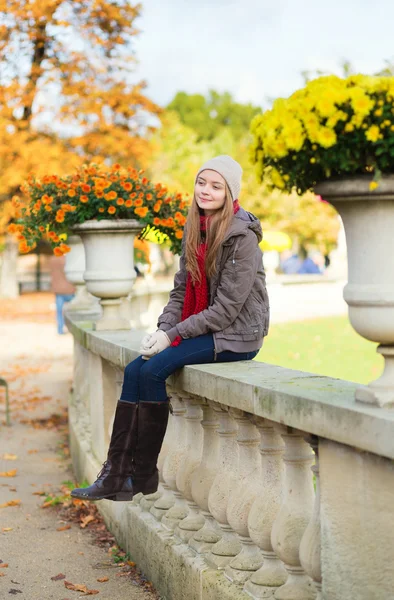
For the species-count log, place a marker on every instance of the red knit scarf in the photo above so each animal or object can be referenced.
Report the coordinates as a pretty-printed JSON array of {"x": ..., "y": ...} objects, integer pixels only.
[{"x": 196, "y": 294}]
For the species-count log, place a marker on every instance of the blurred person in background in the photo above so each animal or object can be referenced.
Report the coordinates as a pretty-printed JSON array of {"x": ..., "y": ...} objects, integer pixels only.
[{"x": 64, "y": 291}]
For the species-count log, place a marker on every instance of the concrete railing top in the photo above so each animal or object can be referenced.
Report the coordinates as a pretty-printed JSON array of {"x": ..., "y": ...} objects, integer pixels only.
[{"x": 319, "y": 405}]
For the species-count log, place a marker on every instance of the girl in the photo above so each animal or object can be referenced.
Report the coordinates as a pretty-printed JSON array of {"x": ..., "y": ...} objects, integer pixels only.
[{"x": 218, "y": 311}]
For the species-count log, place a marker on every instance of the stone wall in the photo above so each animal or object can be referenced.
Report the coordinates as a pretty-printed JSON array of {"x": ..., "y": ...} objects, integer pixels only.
[{"x": 239, "y": 512}]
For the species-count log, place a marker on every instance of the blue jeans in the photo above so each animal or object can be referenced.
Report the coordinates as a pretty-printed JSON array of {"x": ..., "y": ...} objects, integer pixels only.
[
  {"x": 61, "y": 299},
  {"x": 145, "y": 380}
]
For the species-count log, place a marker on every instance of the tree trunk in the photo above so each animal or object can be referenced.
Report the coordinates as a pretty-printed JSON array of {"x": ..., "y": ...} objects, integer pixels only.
[{"x": 8, "y": 273}]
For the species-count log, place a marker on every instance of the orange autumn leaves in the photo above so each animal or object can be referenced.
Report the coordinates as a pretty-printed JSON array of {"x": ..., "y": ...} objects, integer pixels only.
[{"x": 51, "y": 206}]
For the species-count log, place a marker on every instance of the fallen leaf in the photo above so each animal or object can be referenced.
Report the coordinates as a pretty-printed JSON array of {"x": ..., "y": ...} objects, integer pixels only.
[
  {"x": 8, "y": 473},
  {"x": 12, "y": 489},
  {"x": 102, "y": 579},
  {"x": 63, "y": 528},
  {"x": 3, "y": 565},
  {"x": 2, "y": 574},
  {"x": 86, "y": 520},
  {"x": 58, "y": 577},
  {"x": 32, "y": 451},
  {"x": 131, "y": 563},
  {"x": 9, "y": 456},
  {"x": 14, "y": 591},
  {"x": 78, "y": 587},
  {"x": 10, "y": 503},
  {"x": 7, "y": 528},
  {"x": 39, "y": 493}
]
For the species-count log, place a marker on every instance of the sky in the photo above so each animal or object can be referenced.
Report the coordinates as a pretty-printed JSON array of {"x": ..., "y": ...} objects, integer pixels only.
[{"x": 257, "y": 49}]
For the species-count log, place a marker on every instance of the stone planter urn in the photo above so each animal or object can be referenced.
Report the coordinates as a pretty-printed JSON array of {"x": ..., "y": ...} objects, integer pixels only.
[
  {"x": 368, "y": 218},
  {"x": 109, "y": 274},
  {"x": 74, "y": 270}
]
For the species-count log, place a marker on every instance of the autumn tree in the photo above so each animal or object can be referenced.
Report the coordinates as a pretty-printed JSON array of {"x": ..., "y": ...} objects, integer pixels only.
[{"x": 66, "y": 86}]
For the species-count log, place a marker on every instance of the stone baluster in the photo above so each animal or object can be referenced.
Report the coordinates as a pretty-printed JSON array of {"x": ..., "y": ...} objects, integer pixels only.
[
  {"x": 310, "y": 548},
  {"x": 225, "y": 481},
  {"x": 242, "y": 498},
  {"x": 173, "y": 459},
  {"x": 193, "y": 450},
  {"x": 294, "y": 515},
  {"x": 194, "y": 519},
  {"x": 265, "y": 508},
  {"x": 201, "y": 478}
]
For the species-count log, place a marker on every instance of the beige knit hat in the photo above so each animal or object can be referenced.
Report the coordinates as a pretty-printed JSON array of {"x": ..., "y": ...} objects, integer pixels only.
[{"x": 229, "y": 169}]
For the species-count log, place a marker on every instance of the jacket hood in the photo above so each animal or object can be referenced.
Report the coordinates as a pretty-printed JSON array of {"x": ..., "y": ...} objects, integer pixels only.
[{"x": 245, "y": 220}]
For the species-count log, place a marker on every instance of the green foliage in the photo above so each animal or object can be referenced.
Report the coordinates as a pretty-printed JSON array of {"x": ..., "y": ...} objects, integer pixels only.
[
  {"x": 208, "y": 116},
  {"x": 327, "y": 346},
  {"x": 177, "y": 155}
]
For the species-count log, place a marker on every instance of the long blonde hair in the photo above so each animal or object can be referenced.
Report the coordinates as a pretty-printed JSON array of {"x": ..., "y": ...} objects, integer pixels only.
[{"x": 217, "y": 227}]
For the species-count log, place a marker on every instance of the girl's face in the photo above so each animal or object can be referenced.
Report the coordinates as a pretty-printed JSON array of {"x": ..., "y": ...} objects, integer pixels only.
[{"x": 210, "y": 191}]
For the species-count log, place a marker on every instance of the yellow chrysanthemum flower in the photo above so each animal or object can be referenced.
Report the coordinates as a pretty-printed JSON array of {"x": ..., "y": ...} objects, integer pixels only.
[
  {"x": 326, "y": 137},
  {"x": 373, "y": 133}
]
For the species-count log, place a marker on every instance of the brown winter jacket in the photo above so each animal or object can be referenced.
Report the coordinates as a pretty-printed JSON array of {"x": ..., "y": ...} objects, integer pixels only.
[{"x": 238, "y": 311}]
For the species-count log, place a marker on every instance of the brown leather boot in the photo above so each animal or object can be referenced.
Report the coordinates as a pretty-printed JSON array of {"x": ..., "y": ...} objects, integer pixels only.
[
  {"x": 152, "y": 425},
  {"x": 114, "y": 481}
]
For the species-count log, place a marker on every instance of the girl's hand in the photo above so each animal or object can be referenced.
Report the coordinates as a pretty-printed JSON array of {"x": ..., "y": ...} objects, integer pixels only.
[{"x": 158, "y": 342}]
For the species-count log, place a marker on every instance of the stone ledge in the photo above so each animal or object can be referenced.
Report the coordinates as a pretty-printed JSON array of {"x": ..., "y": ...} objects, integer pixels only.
[{"x": 318, "y": 405}]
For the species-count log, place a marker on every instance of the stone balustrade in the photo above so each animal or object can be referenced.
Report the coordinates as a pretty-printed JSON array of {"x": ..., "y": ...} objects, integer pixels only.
[{"x": 274, "y": 483}]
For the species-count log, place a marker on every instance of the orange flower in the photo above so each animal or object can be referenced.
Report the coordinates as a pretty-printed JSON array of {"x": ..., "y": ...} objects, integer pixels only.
[
  {"x": 141, "y": 212},
  {"x": 111, "y": 195},
  {"x": 138, "y": 202},
  {"x": 41, "y": 228},
  {"x": 85, "y": 188},
  {"x": 57, "y": 252},
  {"x": 47, "y": 199},
  {"x": 133, "y": 195},
  {"x": 48, "y": 208},
  {"x": 84, "y": 199},
  {"x": 127, "y": 186},
  {"x": 170, "y": 222},
  {"x": 112, "y": 210},
  {"x": 115, "y": 167},
  {"x": 37, "y": 205},
  {"x": 64, "y": 248},
  {"x": 157, "y": 206},
  {"x": 12, "y": 228},
  {"x": 50, "y": 234},
  {"x": 71, "y": 193},
  {"x": 179, "y": 234},
  {"x": 128, "y": 203},
  {"x": 23, "y": 248},
  {"x": 114, "y": 178},
  {"x": 101, "y": 209},
  {"x": 60, "y": 216},
  {"x": 92, "y": 171},
  {"x": 99, "y": 193},
  {"x": 55, "y": 238},
  {"x": 156, "y": 221},
  {"x": 120, "y": 201},
  {"x": 149, "y": 196},
  {"x": 137, "y": 187},
  {"x": 144, "y": 181}
]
